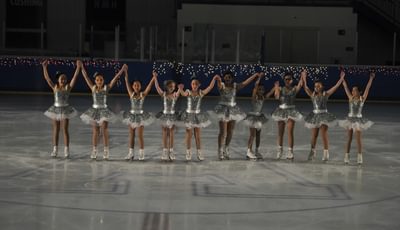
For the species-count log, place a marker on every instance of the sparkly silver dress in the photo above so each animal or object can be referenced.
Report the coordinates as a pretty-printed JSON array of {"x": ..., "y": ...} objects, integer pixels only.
[
  {"x": 168, "y": 117},
  {"x": 136, "y": 117},
  {"x": 255, "y": 118},
  {"x": 320, "y": 115},
  {"x": 99, "y": 111},
  {"x": 287, "y": 109},
  {"x": 192, "y": 117},
  {"x": 226, "y": 109},
  {"x": 61, "y": 110},
  {"x": 355, "y": 119}
]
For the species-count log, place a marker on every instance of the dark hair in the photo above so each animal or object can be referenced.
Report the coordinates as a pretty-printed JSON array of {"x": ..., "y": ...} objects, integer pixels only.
[
  {"x": 136, "y": 80},
  {"x": 360, "y": 90},
  {"x": 288, "y": 74},
  {"x": 318, "y": 81},
  {"x": 228, "y": 72},
  {"x": 97, "y": 74},
  {"x": 167, "y": 82}
]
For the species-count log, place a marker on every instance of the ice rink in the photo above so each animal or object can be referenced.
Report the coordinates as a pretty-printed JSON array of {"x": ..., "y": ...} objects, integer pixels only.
[{"x": 38, "y": 192}]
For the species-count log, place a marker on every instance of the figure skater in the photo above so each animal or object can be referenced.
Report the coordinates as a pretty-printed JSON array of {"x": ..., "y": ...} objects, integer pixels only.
[
  {"x": 287, "y": 114},
  {"x": 168, "y": 116},
  {"x": 255, "y": 119},
  {"x": 99, "y": 115},
  {"x": 355, "y": 122},
  {"x": 320, "y": 119},
  {"x": 136, "y": 118},
  {"x": 193, "y": 118},
  {"x": 60, "y": 112},
  {"x": 228, "y": 112}
]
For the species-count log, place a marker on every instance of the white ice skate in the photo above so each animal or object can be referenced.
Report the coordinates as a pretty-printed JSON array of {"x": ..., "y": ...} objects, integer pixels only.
[
  {"x": 200, "y": 156},
  {"x": 250, "y": 155},
  {"x": 141, "y": 154},
  {"x": 326, "y": 155},
  {"x": 130, "y": 155},
  {"x": 188, "y": 154},
  {"x": 346, "y": 158}
]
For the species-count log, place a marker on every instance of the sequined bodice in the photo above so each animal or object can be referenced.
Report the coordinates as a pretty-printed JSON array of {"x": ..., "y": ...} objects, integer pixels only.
[
  {"x": 99, "y": 98},
  {"x": 320, "y": 103},
  {"x": 137, "y": 104},
  {"x": 228, "y": 95},
  {"x": 61, "y": 97},
  {"x": 355, "y": 108},
  {"x": 169, "y": 104},
  {"x": 287, "y": 98},
  {"x": 257, "y": 106},
  {"x": 193, "y": 103}
]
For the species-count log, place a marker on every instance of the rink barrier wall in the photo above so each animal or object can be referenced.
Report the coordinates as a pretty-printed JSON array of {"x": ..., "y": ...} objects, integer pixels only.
[{"x": 26, "y": 75}]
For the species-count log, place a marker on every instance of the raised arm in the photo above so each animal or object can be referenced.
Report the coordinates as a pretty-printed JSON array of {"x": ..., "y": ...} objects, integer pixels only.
[
  {"x": 305, "y": 86},
  {"x": 219, "y": 82},
  {"x": 347, "y": 90},
  {"x": 256, "y": 84},
  {"x": 127, "y": 83},
  {"x": 116, "y": 77},
  {"x": 338, "y": 83},
  {"x": 300, "y": 83},
  {"x": 369, "y": 84},
  {"x": 148, "y": 88},
  {"x": 158, "y": 88},
  {"x": 244, "y": 83},
  {"x": 212, "y": 84},
  {"x": 46, "y": 74},
  {"x": 87, "y": 79},
  {"x": 182, "y": 92},
  {"x": 273, "y": 90},
  {"x": 76, "y": 74}
]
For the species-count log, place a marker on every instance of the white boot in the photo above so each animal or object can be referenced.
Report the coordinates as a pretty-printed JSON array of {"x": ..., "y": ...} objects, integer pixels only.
[
  {"x": 94, "y": 153},
  {"x": 326, "y": 155},
  {"x": 221, "y": 154},
  {"x": 106, "y": 153},
  {"x": 171, "y": 154},
  {"x": 164, "y": 155},
  {"x": 250, "y": 155},
  {"x": 200, "y": 156},
  {"x": 359, "y": 158},
  {"x": 312, "y": 155},
  {"x": 258, "y": 154},
  {"x": 227, "y": 152},
  {"x": 141, "y": 154},
  {"x": 188, "y": 154},
  {"x": 346, "y": 158},
  {"x": 55, "y": 151},
  {"x": 130, "y": 155},
  {"x": 66, "y": 152},
  {"x": 289, "y": 154},
  {"x": 279, "y": 152}
]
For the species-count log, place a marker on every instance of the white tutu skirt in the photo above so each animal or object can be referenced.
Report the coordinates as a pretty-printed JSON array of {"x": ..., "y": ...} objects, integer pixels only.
[
  {"x": 315, "y": 120},
  {"x": 286, "y": 114},
  {"x": 356, "y": 123},
  {"x": 61, "y": 113},
  {"x": 194, "y": 120},
  {"x": 136, "y": 120},
  {"x": 228, "y": 113},
  {"x": 255, "y": 121},
  {"x": 98, "y": 116},
  {"x": 167, "y": 120}
]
